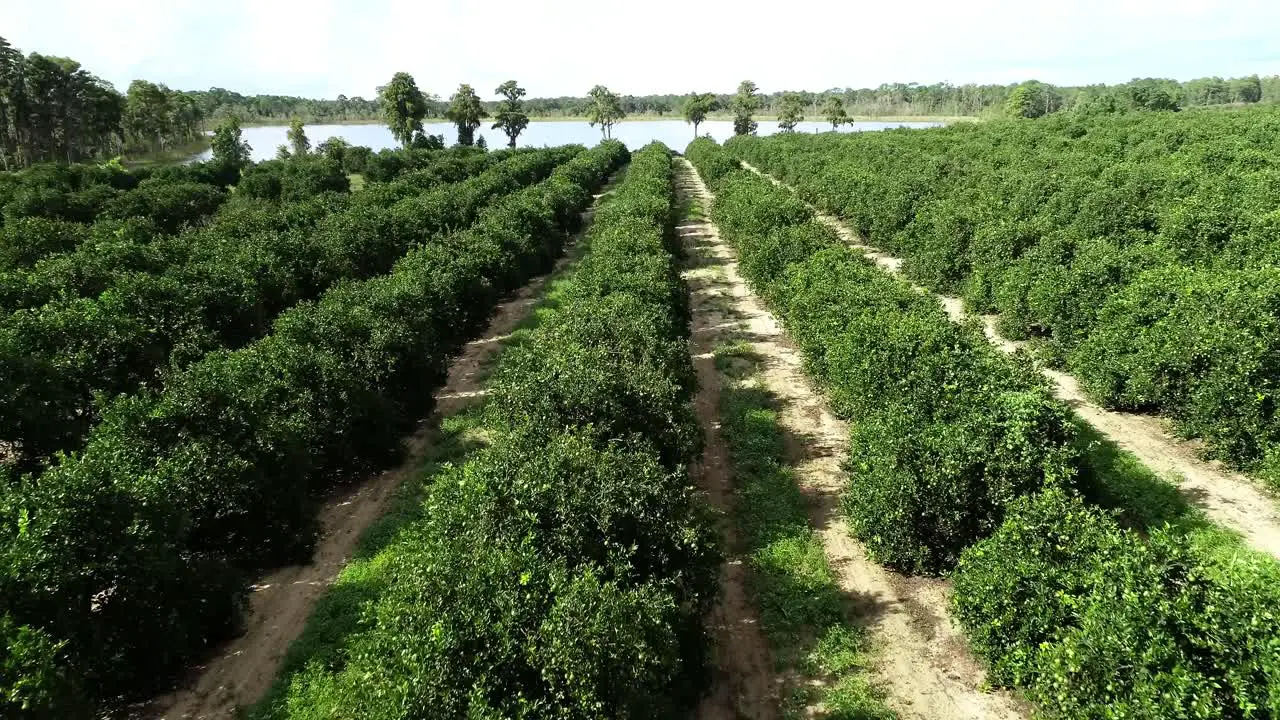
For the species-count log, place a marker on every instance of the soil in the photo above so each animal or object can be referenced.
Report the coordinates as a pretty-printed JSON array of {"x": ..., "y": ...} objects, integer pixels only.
[
  {"x": 744, "y": 684},
  {"x": 919, "y": 658},
  {"x": 1226, "y": 497},
  {"x": 240, "y": 672}
]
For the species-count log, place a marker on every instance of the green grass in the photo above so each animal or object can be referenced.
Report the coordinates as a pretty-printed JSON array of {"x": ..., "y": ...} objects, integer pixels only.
[
  {"x": 812, "y": 631},
  {"x": 1115, "y": 479}
]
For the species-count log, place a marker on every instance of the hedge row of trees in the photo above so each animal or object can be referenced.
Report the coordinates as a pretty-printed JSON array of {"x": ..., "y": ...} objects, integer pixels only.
[
  {"x": 172, "y": 197},
  {"x": 221, "y": 287},
  {"x": 946, "y": 430},
  {"x": 1139, "y": 250},
  {"x": 960, "y": 461},
  {"x": 563, "y": 570},
  {"x": 125, "y": 559}
]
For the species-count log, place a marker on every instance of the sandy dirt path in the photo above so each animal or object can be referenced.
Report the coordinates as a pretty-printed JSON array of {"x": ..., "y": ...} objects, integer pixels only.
[
  {"x": 744, "y": 684},
  {"x": 241, "y": 671},
  {"x": 1226, "y": 497},
  {"x": 920, "y": 658}
]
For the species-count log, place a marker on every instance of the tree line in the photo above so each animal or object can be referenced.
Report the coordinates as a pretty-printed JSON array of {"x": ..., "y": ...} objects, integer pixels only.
[
  {"x": 889, "y": 99},
  {"x": 403, "y": 106},
  {"x": 54, "y": 110}
]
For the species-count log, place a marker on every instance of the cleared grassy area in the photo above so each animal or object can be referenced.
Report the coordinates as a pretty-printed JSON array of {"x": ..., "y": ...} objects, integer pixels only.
[{"x": 819, "y": 648}]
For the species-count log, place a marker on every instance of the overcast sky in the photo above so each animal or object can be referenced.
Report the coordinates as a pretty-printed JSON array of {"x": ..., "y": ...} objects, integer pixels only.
[{"x": 321, "y": 48}]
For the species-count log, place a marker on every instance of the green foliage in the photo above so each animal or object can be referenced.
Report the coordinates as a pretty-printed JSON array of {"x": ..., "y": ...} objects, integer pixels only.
[
  {"x": 604, "y": 108},
  {"x": 510, "y": 115},
  {"x": 744, "y": 106},
  {"x": 790, "y": 112},
  {"x": 465, "y": 112},
  {"x": 298, "y": 143},
  {"x": 696, "y": 107},
  {"x": 229, "y": 149},
  {"x": 833, "y": 111},
  {"x": 945, "y": 430},
  {"x": 1033, "y": 99},
  {"x": 131, "y": 555},
  {"x": 563, "y": 571},
  {"x": 1152, "y": 94},
  {"x": 1136, "y": 248},
  {"x": 1096, "y": 622},
  {"x": 403, "y": 107}
]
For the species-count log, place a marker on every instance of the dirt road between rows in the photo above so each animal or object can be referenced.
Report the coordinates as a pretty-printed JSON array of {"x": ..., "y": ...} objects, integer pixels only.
[
  {"x": 239, "y": 673},
  {"x": 920, "y": 658}
]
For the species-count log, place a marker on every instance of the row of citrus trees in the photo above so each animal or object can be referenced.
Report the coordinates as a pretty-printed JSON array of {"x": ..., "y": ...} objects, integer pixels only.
[
  {"x": 117, "y": 327},
  {"x": 962, "y": 463},
  {"x": 48, "y": 210},
  {"x": 1139, "y": 250},
  {"x": 123, "y": 560},
  {"x": 170, "y": 196},
  {"x": 43, "y": 258},
  {"x": 564, "y": 569}
]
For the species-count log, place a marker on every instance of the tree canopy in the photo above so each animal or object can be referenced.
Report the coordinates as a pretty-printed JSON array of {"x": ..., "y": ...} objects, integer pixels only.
[
  {"x": 465, "y": 112},
  {"x": 744, "y": 106},
  {"x": 403, "y": 107},
  {"x": 790, "y": 112},
  {"x": 604, "y": 109},
  {"x": 298, "y": 142},
  {"x": 833, "y": 111},
  {"x": 1033, "y": 99},
  {"x": 229, "y": 148},
  {"x": 510, "y": 115},
  {"x": 696, "y": 107}
]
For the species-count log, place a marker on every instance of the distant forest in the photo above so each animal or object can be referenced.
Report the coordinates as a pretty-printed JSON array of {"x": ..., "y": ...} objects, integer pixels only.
[
  {"x": 888, "y": 100},
  {"x": 54, "y": 110}
]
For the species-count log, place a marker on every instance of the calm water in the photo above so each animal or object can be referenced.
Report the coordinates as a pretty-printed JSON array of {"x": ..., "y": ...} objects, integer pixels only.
[{"x": 676, "y": 134}]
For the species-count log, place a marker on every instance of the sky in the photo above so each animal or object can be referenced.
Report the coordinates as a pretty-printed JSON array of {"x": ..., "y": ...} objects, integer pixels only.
[{"x": 323, "y": 48}]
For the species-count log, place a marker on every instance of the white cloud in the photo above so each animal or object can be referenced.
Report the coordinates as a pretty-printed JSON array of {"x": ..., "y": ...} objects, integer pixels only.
[{"x": 326, "y": 47}]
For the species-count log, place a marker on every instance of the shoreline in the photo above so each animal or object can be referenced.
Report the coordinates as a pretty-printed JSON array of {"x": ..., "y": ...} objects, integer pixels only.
[{"x": 648, "y": 117}]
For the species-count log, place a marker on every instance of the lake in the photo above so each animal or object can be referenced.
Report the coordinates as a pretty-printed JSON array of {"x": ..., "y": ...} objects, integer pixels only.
[{"x": 676, "y": 134}]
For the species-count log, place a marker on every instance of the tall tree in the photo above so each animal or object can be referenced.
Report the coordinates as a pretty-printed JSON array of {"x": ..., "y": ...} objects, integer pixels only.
[
  {"x": 146, "y": 113},
  {"x": 604, "y": 108},
  {"x": 229, "y": 147},
  {"x": 833, "y": 111},
  {"x": 403, "y": 107},
  {"x": 465, "y": 112},
  {"x": 790, "y": 111},
  {"x": 510, "y": 114},
  {"x": 13, "y": 106},
  {"x": 696, "y": 107},
  {"x": 1033, "y": 99},
  {"x": 744, "y": 105},
  {"x": 1247, "y": 89},
  {"x": 298, "y": 142}
]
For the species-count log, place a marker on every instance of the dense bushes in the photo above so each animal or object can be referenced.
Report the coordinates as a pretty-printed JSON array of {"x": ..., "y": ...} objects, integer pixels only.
[
  {"x": 945, "y": 430},
  {"x": 1092, "y": 620},
  {"x": 221, "y": 286},
  {"x": 172, "y": 197},
  {"x": 1096, "y": 622},
  {"x": 1200, "y": 345},
  {"x": 293, "y": 179},
  {"x": 126, "y": 558},
  {"x": 563, "y": 570},
  {"x": 1115, "y": 240}
]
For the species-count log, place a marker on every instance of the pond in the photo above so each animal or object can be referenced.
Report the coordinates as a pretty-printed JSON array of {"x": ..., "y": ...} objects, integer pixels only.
[{"x": 676, "y": 134}]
